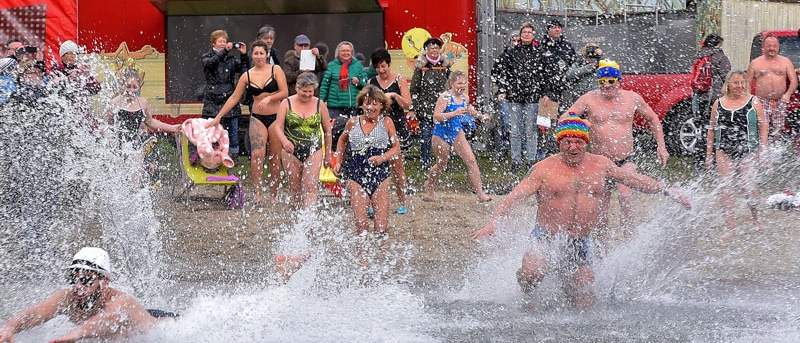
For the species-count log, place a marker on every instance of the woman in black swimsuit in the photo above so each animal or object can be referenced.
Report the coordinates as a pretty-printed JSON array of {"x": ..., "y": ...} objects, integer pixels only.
[
  {"x": 267, "y": 85},
  {"x": 737, "y": 137},
  {"x": 129, "y": 112}
]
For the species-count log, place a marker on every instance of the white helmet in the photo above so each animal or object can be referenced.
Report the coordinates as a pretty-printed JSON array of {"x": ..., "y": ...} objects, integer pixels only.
[{"x": 94, "y": 259}]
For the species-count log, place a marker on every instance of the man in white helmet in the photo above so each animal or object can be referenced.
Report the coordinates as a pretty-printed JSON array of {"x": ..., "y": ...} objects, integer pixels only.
[{"x": 98, "y": 310}]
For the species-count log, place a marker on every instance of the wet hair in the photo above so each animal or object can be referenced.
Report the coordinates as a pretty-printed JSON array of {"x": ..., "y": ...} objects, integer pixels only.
[
  {"x": 307, "y": 79},
  {"x": 218, "y": 33},
  {"x": 380, "y": 55},
  {"x": 712, "y": 39},
  {"x": 373, "y": 92},
  {"x": 527, "y": 25},
  {"x": 258, "y": 43},
  {"x": 727, "y": 83},
  {"x": 339, "y": 46},
  {"x": 265, "y": 30},
  {"x": 131, "y": 73},
  {"x": 454, "y": 76}
]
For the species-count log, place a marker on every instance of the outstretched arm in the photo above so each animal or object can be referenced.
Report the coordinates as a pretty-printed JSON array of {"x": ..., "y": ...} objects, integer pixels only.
[
  {"x": 123, "y": 315},
  {"x": 644, "y": 110},
  {"x": 527, "y": 187},
  {"x": 646, "y": 184},
  {"x": 32, "y": 316}
]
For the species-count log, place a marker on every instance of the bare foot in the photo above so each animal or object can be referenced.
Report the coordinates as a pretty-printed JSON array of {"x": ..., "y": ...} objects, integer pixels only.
[
  {"x": 286, "y": 265},
  {"x": 728, "y": 235},
  {"x": 484, "y": 198}
]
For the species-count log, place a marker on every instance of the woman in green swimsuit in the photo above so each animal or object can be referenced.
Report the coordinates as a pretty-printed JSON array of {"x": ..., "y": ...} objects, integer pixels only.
[{"x": 302, "y": 125}]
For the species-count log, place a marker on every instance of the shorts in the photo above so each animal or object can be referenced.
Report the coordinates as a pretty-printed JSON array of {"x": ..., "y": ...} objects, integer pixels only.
[{"x": 561, "y": 251}]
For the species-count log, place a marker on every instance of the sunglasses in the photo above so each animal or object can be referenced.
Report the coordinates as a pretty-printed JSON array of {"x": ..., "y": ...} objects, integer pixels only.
[
  {"x": 86, "y": 280},
  {"x": 607, "y": 81}
]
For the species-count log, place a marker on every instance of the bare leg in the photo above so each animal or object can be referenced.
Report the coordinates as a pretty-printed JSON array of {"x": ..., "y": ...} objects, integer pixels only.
[
  {"x": 462, "y": 148},
  {"x": 625, "y": 195},
  {"x": 359, "y": 202},
  {"x": 725, "y": 168},
  {"x": 579, "y": 287},
  {"x": 442, "y": 151},
  {"x": 380, "y": 203},
  {"x": 311, "y": 179},
  {"x": 258, "y": 141},
  {"x": 532, "y": 271},
  {"x": 399, "y": 178},
  {"x": 274, "y": 151},
  {"x": 294, "y": 175},
  {"x": 748, "y": 176}
]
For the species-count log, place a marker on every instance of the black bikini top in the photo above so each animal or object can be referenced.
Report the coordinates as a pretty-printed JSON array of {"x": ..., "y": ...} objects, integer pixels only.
[{"x": 270, "y": 87}]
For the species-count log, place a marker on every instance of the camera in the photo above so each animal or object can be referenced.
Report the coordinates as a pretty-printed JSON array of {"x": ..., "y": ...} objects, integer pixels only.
[
  {"x": 591, "y": 52},
  {"x": 237, "y": 45},
  {"x": 28, "y": 49}
]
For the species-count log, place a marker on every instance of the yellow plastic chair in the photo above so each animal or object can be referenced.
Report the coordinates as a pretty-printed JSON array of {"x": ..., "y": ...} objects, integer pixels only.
[{"x": 197, "y": 175}]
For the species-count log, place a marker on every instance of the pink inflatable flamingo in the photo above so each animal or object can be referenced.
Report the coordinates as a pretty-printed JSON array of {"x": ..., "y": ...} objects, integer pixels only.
[{"x": 211, "y": 155}]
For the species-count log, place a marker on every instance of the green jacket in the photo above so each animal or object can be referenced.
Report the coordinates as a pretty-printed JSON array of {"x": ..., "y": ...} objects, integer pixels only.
[{"x": 329, "y": 88}]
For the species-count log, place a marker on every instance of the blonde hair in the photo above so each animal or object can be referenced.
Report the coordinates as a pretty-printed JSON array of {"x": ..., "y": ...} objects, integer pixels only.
[
  {"x": 454, "y": 76},
  {"x": 727, "y": 83},
  {"x": 216, "y": 34}
]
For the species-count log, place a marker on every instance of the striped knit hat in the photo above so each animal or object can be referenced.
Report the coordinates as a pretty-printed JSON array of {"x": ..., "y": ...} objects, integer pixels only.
[{"x": 572, "y": 126}]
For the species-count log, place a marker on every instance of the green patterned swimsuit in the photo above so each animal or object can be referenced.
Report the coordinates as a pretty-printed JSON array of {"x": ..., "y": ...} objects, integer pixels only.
[{"x": 304, "y": 133}]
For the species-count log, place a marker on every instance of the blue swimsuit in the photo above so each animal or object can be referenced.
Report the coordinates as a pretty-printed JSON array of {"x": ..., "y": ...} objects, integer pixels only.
[{"x": 448, "y": 129}]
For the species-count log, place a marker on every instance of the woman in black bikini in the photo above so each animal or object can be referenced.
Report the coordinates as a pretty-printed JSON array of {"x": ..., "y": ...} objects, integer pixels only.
[{"x": 267, "y": 85}]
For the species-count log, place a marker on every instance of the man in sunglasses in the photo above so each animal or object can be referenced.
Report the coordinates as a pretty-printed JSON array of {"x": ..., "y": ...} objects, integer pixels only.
[
  {"x": 98, "y": 310},
  {"x": 610, "y": 111}
]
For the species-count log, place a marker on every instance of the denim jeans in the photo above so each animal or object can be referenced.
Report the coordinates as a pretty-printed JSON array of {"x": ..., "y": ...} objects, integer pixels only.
[
  {"x": 504, "y": 126},
  {"x": 523, "y": 129},
  {"x": 231, "y": 124},
  {"x": 426, "y": 133}
]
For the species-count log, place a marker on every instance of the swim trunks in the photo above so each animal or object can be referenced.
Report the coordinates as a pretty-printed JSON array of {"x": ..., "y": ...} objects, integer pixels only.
[
  {"x": 775, "y": 112},
  {"x": 568, "y": 252}
]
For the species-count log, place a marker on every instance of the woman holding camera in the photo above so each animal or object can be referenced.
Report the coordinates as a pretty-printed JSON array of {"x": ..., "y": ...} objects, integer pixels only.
[
  {"x": 581, "y": 75},
  {"x": 222, "y": 66}
]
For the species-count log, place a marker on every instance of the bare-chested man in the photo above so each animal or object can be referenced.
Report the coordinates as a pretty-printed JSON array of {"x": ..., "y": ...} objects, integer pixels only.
[
  {"x": 99, "y": 310},
  {"x": 775, "y": 80},
  {"x": 610, "y": 112},
  {"x": 570, "y": 189}
]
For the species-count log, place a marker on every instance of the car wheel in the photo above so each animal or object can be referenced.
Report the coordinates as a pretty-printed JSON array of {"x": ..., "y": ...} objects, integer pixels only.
[
  {"x": 689, "y": 135},
  {"x": 677, "y": 132}
]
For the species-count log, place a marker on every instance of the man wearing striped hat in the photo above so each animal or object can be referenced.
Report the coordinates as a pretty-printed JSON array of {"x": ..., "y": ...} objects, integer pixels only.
[
  {"x": 610, "y": 111},
  {"x": 572, "y": 197}
]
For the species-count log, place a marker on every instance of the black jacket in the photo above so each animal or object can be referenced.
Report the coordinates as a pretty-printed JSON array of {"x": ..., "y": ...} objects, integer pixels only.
[
  {"x": 557, "y": 56},
  {"x": 516, "y": 73},
  {"x": 222, "y": 70}
]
